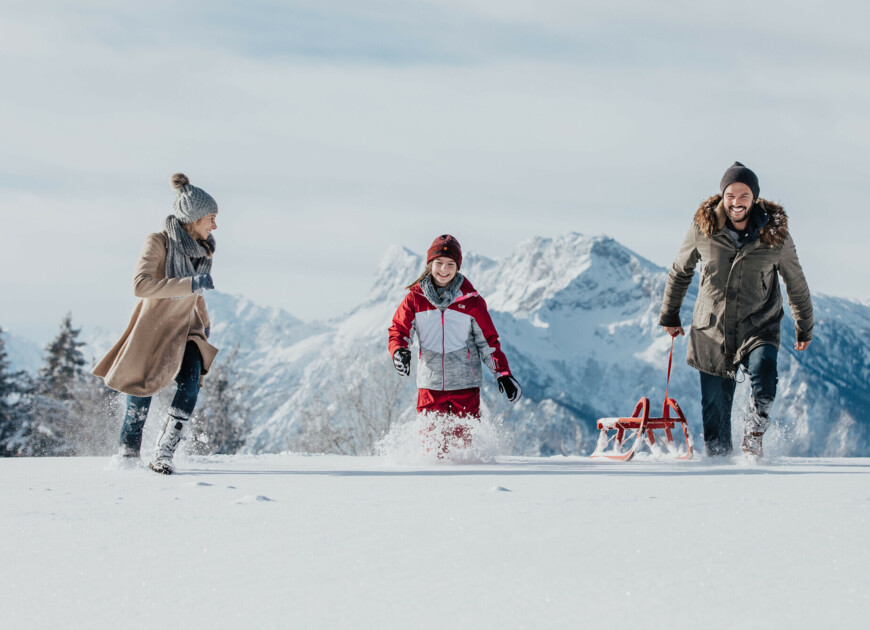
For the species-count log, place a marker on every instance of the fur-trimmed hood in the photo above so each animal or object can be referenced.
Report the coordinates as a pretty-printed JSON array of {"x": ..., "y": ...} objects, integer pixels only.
[{"x": 710, "y": 218}]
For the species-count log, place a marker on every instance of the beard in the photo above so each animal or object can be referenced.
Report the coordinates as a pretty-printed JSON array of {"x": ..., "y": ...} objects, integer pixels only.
[{"x": 729, "y": 210}]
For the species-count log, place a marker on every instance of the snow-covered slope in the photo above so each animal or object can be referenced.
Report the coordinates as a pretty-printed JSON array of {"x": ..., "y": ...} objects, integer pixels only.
[
  {"x": 291, "y": 541},
  {"x": 578, "y": 320}
]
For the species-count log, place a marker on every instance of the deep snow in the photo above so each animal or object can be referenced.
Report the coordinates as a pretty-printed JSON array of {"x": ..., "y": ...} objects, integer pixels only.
[{"x": 297, "y": 541}]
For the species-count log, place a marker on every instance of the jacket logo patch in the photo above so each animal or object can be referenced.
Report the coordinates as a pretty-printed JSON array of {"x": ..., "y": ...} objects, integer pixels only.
[{"x": 462, "y": 306}]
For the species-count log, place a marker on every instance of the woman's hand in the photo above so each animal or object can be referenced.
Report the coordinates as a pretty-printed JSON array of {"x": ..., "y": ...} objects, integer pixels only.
[{"x": 201, "y": 281}]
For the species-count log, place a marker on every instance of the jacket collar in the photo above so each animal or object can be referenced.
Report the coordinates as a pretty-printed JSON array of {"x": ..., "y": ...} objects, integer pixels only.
[
  {"x": 710, "y": 219},
  {"x": 442, "y": 298}
]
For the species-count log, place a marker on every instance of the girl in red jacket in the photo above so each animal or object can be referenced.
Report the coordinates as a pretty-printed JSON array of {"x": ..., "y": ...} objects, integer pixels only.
[{"x": 455, "y": 335}]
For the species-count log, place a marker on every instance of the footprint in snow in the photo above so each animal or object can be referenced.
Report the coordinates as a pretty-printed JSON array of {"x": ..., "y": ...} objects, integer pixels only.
[
  {"x": 499, "y": 489},
  {"x": 199, "y": 484},
  {"x": 254, "y": 499}
]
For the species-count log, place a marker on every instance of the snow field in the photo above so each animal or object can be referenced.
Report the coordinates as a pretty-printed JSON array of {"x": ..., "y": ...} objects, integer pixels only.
[{"x": 281, "y": 541}]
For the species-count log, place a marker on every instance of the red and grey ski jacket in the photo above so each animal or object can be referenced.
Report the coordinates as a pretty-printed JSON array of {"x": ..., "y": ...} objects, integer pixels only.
[{"x": 453, "y": 342}]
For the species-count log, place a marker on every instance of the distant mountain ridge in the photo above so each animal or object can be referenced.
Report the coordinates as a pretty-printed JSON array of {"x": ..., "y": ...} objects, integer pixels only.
[{"x": 578, "y": 320}]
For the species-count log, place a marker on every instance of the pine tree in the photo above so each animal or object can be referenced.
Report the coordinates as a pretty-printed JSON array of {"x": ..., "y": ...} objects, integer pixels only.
[
  {"x": 6, "y": 386},
  {"x": 16, "y": 390},
  {"x": 55, "y": 421},
  {"x": 50, "y": 416},
  {"x": 65, "y": 411},
  {"x": 7, "y": 409},
  {"x": 89, "y": 412},
  {"x": 63, "y": 363}
]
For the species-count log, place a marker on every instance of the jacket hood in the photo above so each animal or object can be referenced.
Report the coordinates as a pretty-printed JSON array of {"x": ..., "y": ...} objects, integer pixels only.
[{"x": 710, "y": 218}]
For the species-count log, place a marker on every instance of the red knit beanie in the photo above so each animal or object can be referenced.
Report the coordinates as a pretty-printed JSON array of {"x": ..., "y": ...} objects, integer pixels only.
[{"x": 445, "y": 245}]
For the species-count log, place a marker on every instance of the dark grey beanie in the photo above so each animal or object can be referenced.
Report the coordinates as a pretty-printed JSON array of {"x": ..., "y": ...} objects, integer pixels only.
[
  {"x": 739, "y": 173},
  {"x": 191, "y": 203}
]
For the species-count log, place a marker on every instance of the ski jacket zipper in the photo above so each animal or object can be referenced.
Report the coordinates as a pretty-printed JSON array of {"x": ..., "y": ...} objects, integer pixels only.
[{"x": 443, "y": 369}]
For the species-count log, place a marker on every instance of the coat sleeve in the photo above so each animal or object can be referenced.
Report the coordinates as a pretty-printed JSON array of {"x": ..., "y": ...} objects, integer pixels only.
[
  {"x": 486, "y": 339},
  {"x": 403, "y": 323},
  {"x": 150, "y": 267},
  {"x": 798, "y": 291},
  {"x": 679, "y": 279}
]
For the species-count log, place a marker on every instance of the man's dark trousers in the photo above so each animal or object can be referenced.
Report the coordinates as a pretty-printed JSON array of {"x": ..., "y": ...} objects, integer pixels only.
[{"x": 717, "y": 396}]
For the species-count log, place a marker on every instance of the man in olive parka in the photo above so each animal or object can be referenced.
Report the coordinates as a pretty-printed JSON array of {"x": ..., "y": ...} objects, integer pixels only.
[{"x": 743, "y": 245}]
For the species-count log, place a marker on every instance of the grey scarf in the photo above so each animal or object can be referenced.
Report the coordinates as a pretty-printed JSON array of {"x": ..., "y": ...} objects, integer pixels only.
[
  {"x": 442, "y": 297},
  {"x": 186, "y": 256}
]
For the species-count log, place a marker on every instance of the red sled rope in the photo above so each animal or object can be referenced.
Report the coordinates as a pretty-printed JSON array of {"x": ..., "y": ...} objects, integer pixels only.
[{"x": 620, "y": 439}]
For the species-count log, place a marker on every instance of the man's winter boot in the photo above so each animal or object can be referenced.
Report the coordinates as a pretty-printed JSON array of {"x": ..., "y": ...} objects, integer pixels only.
[
  {"x": 171, "y": 435},
  {"x": 752, "y": 444}
]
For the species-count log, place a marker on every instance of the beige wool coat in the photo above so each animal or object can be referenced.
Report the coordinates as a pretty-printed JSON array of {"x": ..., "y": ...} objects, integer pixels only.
[
  {"x": 739, "y": 305},
  {"x": 168, "y": 314}
]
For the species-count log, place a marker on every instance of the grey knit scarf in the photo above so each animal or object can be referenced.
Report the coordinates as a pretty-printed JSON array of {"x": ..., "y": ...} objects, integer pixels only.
[
  {"x": 442, "y": 297},
  {"x": 186, "y": 256}
]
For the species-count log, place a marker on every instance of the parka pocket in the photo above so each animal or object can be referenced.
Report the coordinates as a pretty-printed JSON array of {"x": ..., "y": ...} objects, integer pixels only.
[
  {"x": 704, "y": 316},
  {"x": 769, "y": 280}
]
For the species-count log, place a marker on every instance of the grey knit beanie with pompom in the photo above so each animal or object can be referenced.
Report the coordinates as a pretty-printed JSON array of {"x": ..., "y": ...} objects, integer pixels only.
[{"x": 191, "y": 203}]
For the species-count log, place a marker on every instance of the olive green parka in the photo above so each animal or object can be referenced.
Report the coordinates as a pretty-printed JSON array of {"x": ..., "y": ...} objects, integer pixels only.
[{"x": 739, "y": 305}]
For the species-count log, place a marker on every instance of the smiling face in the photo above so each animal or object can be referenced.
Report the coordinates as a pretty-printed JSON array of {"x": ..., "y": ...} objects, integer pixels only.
[
  {"x": 201, "y": 228},
  {"x": 738, "y": 201},
  {"x": 443, "y": 271}
]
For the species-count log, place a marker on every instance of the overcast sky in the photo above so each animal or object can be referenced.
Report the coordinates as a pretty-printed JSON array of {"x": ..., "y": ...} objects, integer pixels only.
[{"x": 328, "y": 130}]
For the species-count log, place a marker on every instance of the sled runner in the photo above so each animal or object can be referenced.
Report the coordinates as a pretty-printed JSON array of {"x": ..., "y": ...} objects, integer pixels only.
[{"x": 621, "y": 438}]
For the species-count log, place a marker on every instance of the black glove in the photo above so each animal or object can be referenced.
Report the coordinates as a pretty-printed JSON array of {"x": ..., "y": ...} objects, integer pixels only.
[
  {"x": 509, "y": 386},
  {"x": 402, "y": 361},
  {"x": 201, "y": 281}
]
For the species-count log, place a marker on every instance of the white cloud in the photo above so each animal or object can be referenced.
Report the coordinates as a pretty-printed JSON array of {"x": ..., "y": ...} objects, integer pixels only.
[{"x": 494, "y": 121}]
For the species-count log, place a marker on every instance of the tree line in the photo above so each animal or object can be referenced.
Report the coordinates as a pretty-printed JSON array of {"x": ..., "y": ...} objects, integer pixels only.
[{"x": 64, "y": 410}]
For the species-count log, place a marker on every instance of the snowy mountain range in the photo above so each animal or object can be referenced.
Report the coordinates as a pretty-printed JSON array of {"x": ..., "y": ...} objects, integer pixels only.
[
  {"x": 577, "y": 316},
  {"x": 578, "y": 319}
]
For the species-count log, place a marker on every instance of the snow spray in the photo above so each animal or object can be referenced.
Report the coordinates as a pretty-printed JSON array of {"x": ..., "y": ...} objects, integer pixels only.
[{"x": 440, "y": 438}]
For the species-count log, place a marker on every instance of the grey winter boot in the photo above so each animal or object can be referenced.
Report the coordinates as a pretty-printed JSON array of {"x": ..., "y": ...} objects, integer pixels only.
[
  {"x": 173, "y": 431},
  {"x": 752, "y": 444},
  {"x": 754, "y": 426}
]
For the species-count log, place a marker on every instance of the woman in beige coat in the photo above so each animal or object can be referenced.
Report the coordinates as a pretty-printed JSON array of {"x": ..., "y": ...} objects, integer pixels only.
[{"x": 167, "y": 335}]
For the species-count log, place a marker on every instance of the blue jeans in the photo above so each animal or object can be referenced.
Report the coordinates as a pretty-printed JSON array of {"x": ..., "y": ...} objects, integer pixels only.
[
  {"x": 182, "y": 404},
  {"x": 717, "y": 396}
]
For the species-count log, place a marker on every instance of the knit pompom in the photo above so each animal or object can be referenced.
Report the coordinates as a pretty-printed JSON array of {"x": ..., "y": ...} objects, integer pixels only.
[{"x": 178, "y": 180}]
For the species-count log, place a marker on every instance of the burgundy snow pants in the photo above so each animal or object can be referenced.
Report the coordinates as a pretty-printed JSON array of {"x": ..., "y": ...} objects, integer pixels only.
[{"x": 458, "y": 403}]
